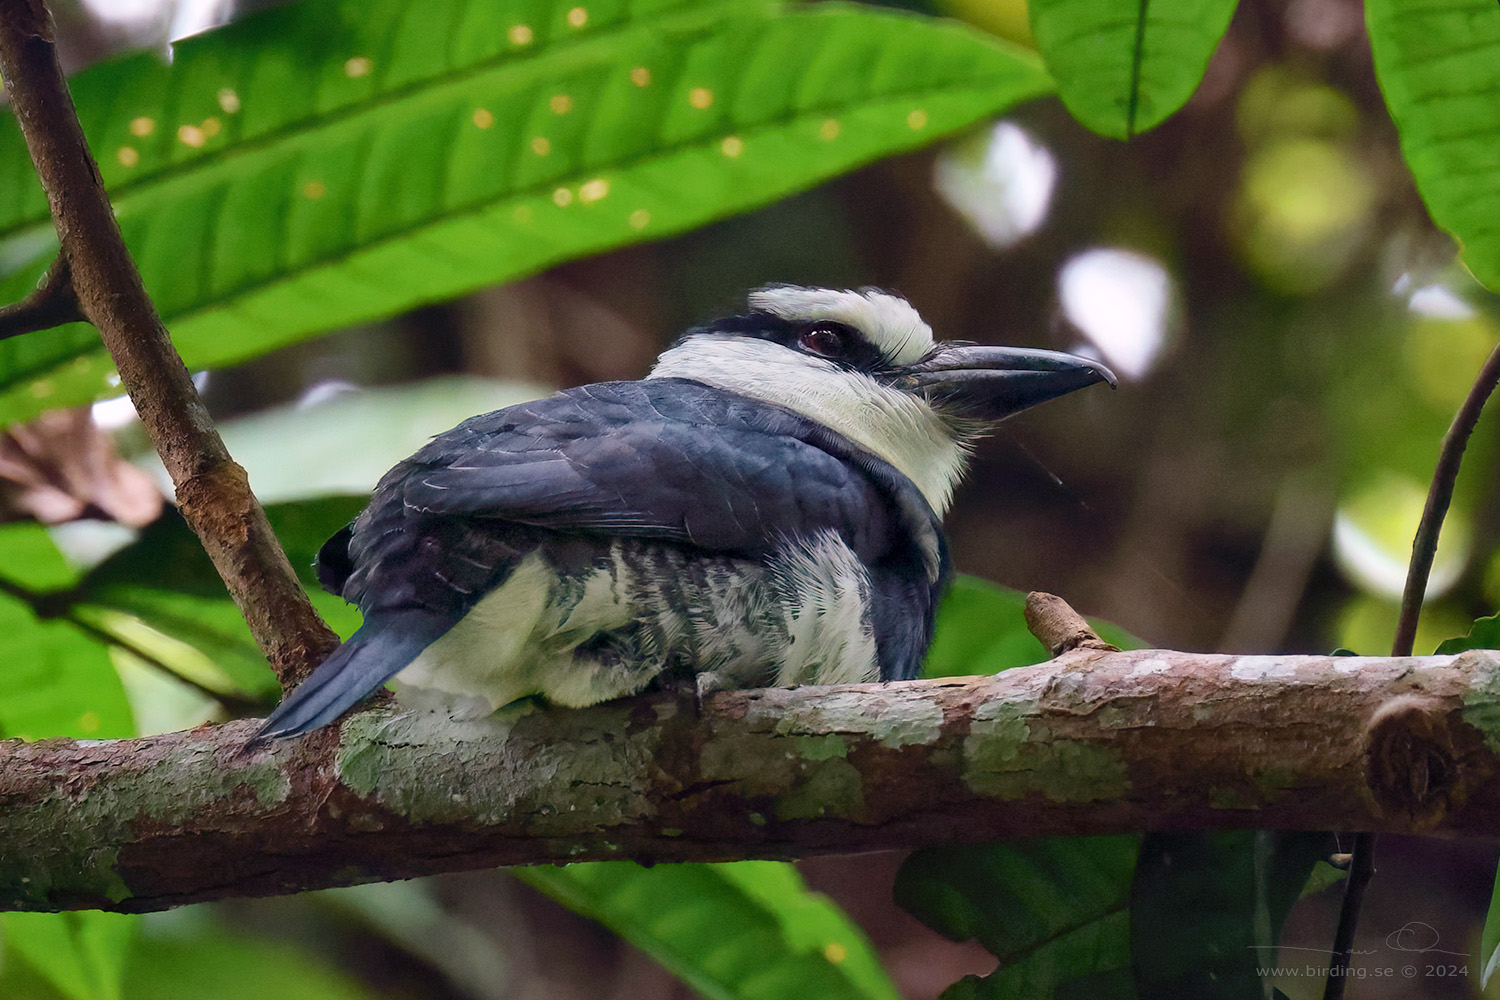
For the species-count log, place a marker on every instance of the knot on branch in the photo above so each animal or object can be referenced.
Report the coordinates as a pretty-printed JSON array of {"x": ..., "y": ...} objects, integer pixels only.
[
  {"x": 1421, "y": 761},
  {"x": 1059, "y": 628}
]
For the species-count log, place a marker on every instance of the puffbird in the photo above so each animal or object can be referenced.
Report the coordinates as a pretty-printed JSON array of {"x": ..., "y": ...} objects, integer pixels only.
[{"x": 764, "y": 508}]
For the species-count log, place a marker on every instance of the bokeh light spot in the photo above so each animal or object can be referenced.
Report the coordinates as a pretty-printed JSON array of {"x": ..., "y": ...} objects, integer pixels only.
[
  {"x": 1122, "y": 301},
  {"x": 1000, "y": 181}
]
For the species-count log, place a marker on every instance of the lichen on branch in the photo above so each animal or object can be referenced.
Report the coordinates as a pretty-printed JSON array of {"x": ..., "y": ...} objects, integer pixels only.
[{"x": 1092, "y": 742}]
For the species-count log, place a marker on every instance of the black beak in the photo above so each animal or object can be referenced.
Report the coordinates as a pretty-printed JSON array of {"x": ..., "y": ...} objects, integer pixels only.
[{"x": 990, "y": 383}]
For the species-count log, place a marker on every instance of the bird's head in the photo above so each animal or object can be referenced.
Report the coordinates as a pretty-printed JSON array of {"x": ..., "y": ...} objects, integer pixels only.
[{"x": 864, "y": 364}]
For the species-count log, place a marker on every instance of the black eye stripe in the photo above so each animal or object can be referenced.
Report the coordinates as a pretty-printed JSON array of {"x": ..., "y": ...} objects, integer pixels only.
[{"x": 857, "y": 352}]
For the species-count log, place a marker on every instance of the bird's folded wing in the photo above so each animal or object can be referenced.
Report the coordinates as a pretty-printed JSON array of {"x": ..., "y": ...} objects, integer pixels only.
[{"x": 727, "y": 480}]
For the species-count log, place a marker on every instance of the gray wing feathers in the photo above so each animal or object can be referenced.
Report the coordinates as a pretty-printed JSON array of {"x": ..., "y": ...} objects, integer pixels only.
[{"x": 719, "y": 480}]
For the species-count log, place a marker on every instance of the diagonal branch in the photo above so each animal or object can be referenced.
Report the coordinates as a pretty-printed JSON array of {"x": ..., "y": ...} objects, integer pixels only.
[
  {"x": 1423, "y": 552},
  {"x": 55, "y": 605},
  {"x": 212, "y": 490},
  {"x": 1092, "y": 742},
  {"x": 52, "y": 303},
  {"x": 1439, "y": 496}
]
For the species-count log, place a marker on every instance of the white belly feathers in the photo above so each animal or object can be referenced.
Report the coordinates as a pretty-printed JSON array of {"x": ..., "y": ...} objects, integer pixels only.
[{"x": 799, "y": 617}]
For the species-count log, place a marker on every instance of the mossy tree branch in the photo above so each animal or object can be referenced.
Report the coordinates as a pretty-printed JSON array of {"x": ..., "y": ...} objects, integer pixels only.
[{"x": 1092, "y": 742}]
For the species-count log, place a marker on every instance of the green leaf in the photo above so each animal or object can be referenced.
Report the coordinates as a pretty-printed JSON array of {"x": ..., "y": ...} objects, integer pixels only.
[
  {"x": 1321, "y": 877},
  {"x": 1489, "y": 941},
  {"x": 211, "y": 963},
  {"x": 981, "y": 629},
  {"x": 343, "y": 445},
  {"x": 57, "y": 681},
  {"x": 165, "y": 581},
  {"x": 1091, "y": 962},
  {"x": 201, "y": 638},
  {"x": 750, "y": 929},
  {"x": 1237, "y": 885},
  {"x": 1053, "y": 910},
  {"x": 179, "y": 955},
  {"x": 1438, "y": 64},
  {"x": 1485, "y": 634},
  {"x": 1124, "y": 66},
  {"x": 321, "y": 164},
  {"x": 80, "y": 953}
]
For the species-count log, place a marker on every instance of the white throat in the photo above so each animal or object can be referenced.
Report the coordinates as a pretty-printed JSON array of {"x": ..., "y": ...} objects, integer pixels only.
[{"x": 894, "y": 425}]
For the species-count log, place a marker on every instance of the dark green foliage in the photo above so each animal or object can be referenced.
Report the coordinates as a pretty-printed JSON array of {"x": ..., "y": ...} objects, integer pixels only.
[
  {"x": 982, "y": 630},
  {"x": 1055, "y": 911},
  {"x": 1484, "y": 635},
  {"x": 1238, "y": 887}
]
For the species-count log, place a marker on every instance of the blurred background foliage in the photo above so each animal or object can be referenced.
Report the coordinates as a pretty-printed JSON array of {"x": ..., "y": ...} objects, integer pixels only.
[{"x": 1292, "y": 330}]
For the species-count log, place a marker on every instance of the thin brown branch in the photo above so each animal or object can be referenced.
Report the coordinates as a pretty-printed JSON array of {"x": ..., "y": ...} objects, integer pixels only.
[
  {"x": 1092, "y": 742},
  {"x": 212, "y": 490},
  {"x": 234, "y": 703},
  {"x": 52, "y": 303},
  {"x": 1423, "y": 552},
  {"x": 58, "y": 607},
  {"x": 1439, "y": 496}
]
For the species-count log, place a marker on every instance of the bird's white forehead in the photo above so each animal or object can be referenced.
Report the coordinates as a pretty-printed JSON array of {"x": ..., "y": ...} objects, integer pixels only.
[{"x": 887, "y": 321}]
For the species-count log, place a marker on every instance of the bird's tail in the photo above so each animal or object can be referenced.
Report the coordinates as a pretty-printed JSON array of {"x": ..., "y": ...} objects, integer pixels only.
[{"x": 371, "y": 656}]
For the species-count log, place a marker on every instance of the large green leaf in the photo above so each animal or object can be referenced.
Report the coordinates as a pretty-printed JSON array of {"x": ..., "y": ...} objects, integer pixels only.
[
  {"x": 209, "y": 962},
  {"x": 1438, "y": 63},
  {"x": 342, "y": 446},
  {"x": 325, "y": 163},
  {"x": 56, "y": 681},
  {"x": 1489, "y": 941},
  {"x": 165, "y": 582},
  {"x": 182, "y": 955},
  {"x": 744, "y": 930},
  {"x": 1053, "y": 910},
  {"x": 1485, "y": 634},
  {"x": 1238, "y": 885},
  {"x": 1124, "y": 66},
  {"x": 80, "y": 954}
]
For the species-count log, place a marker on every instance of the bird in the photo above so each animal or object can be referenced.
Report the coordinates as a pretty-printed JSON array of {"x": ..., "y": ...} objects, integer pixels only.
[{"x": 764, "y": 508}]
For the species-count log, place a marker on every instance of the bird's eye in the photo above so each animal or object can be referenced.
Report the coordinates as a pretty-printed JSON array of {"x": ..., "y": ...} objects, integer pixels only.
[{"x": 824, "y": 341}]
